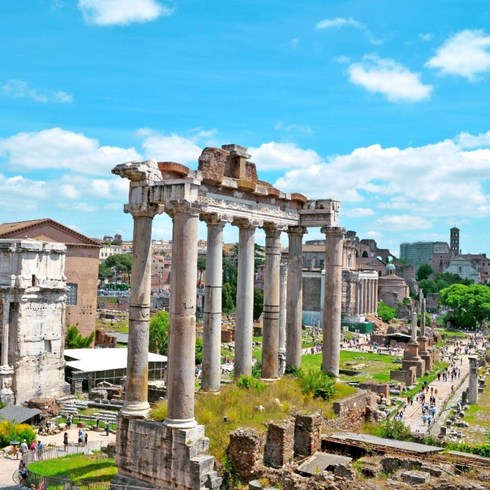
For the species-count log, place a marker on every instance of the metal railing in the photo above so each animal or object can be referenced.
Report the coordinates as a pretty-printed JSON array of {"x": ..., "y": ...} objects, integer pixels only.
[{"x": 50, "y": 452}]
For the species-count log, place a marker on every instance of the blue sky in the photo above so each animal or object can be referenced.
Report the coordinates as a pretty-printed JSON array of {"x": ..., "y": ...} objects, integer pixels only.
[{"x": 381, "y": 104}]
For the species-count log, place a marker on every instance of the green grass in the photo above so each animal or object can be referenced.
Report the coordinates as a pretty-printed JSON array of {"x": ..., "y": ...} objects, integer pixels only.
[
  {"x": 438, "y": 367},
  {"x": 77, "y": 467},
  {"x": 236, "y": 407},
  {"x": 378, "y": 366}
]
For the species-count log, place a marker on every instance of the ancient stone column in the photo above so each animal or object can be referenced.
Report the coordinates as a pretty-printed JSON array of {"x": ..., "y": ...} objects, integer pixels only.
[
  {"x": 136, "y": 398},
  {"x": 375, "y": 311},
  {"x": 333, "y": 300},
  {"x": 245, "y": 299},
  {"x": 182, "y": 341},
  {"x": 413, "y": 337},
  {"x": 270, "y": 333},
  {"x": 4, "y": 317},
  {"x": 211, "y": 356},
  {"x": 422, "y": 314},
  {"x": 294, "y": 300},
  {"x": 282, "y": 317},
  {"x": 365, "y": 299},
  {"x": 473, "y": 380}
]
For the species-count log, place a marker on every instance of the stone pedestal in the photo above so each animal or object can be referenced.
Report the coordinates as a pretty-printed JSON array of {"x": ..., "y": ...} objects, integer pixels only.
[
  {"x": 307, "y": 434},
  {"x": 425, "y": 353},
  {"x": 411, "y": 358},
  {"x": 151, "y": 454}
]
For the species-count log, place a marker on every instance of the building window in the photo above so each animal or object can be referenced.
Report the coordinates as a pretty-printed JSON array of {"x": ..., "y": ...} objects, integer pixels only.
[{"x": 71, "y": 294}]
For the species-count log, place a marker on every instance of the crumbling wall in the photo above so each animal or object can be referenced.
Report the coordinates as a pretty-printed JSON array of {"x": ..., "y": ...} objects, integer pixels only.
[
  {"x": 279, "y": 445},
  {"x": 353, "y": 411},
  {"x": 246, "y": 452},
  {"x": 307, "y": 434}
]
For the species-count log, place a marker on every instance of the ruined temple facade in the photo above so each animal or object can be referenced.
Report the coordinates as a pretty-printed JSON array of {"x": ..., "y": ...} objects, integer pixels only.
[
  {"x": 32, "y": 311},
  {"x": 224, "y": 190}
]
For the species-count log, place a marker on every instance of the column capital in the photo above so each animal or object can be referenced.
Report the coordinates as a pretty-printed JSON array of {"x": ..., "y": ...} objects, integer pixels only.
[
  {"x": 181, "y": 207},
  {"x": 333, "y": 231},
  {"x": 246, "y": 223},
  {"x": 272, "y": 230},
  {"x": 215, "y": 219},
  {"x": 297, "y": 230},
  {"x": 143, "y": 210},
  {"x": 146, "y": 171}
]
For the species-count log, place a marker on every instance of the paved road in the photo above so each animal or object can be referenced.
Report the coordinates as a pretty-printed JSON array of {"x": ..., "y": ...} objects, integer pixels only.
[
  {"x": 413, "y": 413},
  {"x": 8, "y": 466}
]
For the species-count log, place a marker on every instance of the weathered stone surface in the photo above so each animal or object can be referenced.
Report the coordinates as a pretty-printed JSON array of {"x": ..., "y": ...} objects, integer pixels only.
[
  {"x": 415, "y": 477},
  {"x": 245, "y": 452},
  {"x": 370, "y": 466},
  {"x": 345, "y": 471},
  {"x": 393, "y": 463},
  {"x": 353, "y": 411},
  {"x": 307, "y": 436},
  {"x": 320, "y": 462},
  {"x": 279, "y": 445}
]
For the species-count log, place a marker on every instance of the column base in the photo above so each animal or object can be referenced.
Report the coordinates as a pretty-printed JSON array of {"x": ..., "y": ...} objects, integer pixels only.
[
  {"x": 181, "y": 423},
  {"x": 135, "y": 409}
]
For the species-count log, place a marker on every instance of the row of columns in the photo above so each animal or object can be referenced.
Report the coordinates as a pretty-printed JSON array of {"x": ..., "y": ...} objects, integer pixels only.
[
  {"x": 181, "y": 355},
  {"x": 367, "y": 296}
]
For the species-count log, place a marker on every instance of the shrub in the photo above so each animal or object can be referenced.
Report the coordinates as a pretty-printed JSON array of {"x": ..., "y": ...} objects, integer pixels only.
[
  {"x": 394, "y": 429},
  {"x": 317, "y": 384},
  {"x": 15, "y": 432},
  {"x": 250, "y": 383}
]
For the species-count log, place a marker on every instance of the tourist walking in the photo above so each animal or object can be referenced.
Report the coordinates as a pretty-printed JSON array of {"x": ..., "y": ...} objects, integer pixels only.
[{"x": 65, "y": 441}]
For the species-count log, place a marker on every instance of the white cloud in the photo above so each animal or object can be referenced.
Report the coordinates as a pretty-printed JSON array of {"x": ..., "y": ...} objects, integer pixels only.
[
  {"x": 443, "y": 179},
  {"x": 388, "y": 78},
  {"x": 173, "y": 148},
  {"x": 21, "y": 90},
  {"x": 402, "y": 222},
  {"x": 465, "y": 54},
  {"x": 280, "y": 156},
  {"x": 121, "y": 12},
  {"x": 467, "y": 140},
  {"x": 338, "y": 22},
  {"x": 358, "y": 212},
  {"x": 60, "y": 149}
]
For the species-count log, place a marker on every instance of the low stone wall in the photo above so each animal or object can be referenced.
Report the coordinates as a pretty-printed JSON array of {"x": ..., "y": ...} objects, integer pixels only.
[
  {"x": 279, "y": 445},
  {"x": 407, "y": 376},
  {"x": 353, "y": 411},
  {"x": 382, "y": 389}
]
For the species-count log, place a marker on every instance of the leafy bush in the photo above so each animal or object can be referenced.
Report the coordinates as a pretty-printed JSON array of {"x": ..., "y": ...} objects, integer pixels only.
[
  {"x": 250, "y": 383},
  {"x": 295, "y": 371},
  {"x": 317, "y": 384},
  {"x": 75, "y": 340},
  {"x": 394, "y": 429},
  {"x": 15, "y": 432},
  {"x": 386, "y": 312}
]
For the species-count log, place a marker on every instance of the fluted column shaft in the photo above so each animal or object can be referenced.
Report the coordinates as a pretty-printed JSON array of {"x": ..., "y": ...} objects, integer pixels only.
[
  {"x": 294, "y": 304},
  {"x": 270, "y": 334},
  {"x": 245, "y": 300},
  {"x": 182, "y": 341},
  {"x": 333, "y": 300},
  {"x": 136, "y": 400},
  {"x": 211, "y": 356}
]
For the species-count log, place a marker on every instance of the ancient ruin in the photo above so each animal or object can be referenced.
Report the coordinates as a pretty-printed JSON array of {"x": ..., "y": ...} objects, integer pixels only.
[
  {"x": 32, "y": 312},
  {"x": 224, "y": 189}
]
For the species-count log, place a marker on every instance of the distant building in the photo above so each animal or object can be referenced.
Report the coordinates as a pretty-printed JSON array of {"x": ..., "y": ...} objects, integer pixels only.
[
  {"x": 81, "y": 268},
  {"x": 454, "y": 241},
  {"x": 464, "y": 269},
  {"x": 32, "y": 310},
  {"x": 417, "y": 253}
]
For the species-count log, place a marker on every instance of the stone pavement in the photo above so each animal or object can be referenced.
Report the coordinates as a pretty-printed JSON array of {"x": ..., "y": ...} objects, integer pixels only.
[
  {"x": 413, "y": 413},
  {"x": 8, "y": 466}
]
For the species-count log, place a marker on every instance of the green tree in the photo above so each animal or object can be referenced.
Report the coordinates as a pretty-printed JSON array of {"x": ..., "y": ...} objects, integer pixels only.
[
  {"x": 201, "y": 267},
  {"x": 423, "y": 272},
  {"x": 470, "y": 305},
  {"x": 118, "y": 263},
  {"x": 228, "y": 298},
  {"x": 386, "y": 312},
  {"x": 159, "y": 331},
  {"x": 199, "y": 348},
  {"x": 258, "y": 303},
  {"x": 75, "y": 340}
]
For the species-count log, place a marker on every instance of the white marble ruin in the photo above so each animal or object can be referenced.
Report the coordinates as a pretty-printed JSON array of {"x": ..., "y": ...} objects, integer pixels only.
[
  {"x": 32, "y": 312},
  {"x": 224, "y": 190}
]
